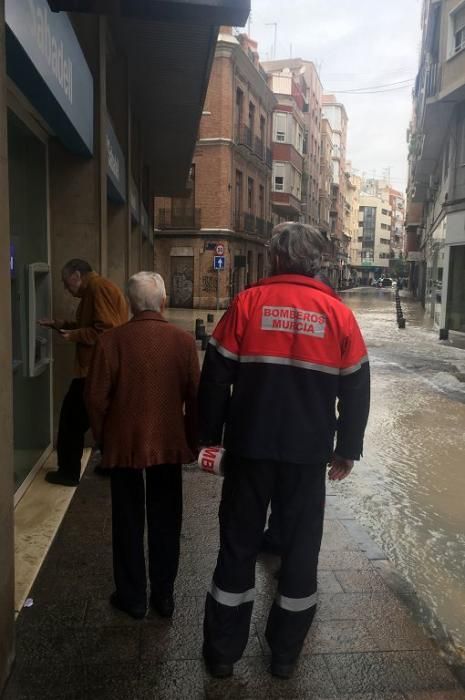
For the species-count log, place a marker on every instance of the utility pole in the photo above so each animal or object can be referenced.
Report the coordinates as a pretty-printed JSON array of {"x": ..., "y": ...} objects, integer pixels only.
[{"x": 275, "y": 25}]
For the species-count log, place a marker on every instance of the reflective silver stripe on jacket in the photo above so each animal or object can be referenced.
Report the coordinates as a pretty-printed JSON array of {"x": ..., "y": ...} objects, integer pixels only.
[
  {"x": 226, "y": 353},
  {"x": 354, "y": 368},
  {"x": 296, "y": 604},
  {"x": 231, "y": 599},
  {"x": 286, "y": 361},
  {"x": 290, "y": 362}
]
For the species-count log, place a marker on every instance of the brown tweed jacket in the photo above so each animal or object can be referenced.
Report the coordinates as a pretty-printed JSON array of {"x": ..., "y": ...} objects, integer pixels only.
[
  {"x": 141, "y": 393},
  {"x": 102, "y": 306}
]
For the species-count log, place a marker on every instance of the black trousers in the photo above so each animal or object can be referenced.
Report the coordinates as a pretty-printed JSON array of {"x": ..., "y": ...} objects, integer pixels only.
[
  {"x": 298, "y": 498},
  {"x": 160, "y": 499},
  {"x": 73, "y": 425}
]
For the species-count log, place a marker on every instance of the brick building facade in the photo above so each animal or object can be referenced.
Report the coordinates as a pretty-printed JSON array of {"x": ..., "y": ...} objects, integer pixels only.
[{"x": 227, "y": 207}]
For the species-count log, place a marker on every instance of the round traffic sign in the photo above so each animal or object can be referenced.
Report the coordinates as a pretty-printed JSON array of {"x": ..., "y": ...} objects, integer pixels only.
[{"x": 219, "y": 250}]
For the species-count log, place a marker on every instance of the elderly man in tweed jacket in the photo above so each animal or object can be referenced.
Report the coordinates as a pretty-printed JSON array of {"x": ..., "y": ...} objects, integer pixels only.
[{"x": 141, "y": 398}]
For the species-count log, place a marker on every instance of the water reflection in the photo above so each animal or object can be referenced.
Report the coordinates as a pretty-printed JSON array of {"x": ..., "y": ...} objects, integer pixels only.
[{"x": 409, "y": 489}]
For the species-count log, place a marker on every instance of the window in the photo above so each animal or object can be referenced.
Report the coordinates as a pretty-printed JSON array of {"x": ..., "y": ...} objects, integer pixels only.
[
  {"x": 458, "y": 20},
  {"x": 239, "y": 107},
  {"x": 385, "y": 212},
  {"x": 238, "y": 194},
  {"x": 279, "y": 177},
  {"x": 279, "y": 183},
  {"x": 261, "y": 202},
  {"x": 252, "y": 117},
  {"x": 263, "y": 130},
  {"x": 250, "y": 195},
  {"x": 280, "y": 124}
]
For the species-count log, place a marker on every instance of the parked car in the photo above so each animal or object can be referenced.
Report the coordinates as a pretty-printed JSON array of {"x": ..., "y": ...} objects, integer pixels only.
[{"x": 384, "y": 282}]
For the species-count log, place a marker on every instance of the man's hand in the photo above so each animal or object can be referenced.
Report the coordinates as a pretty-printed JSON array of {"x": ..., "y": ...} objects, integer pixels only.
[
  {"x": 51, "y": 323},
  {"x": 65, "y": 335},
  {"x": 339, "y": 468}
]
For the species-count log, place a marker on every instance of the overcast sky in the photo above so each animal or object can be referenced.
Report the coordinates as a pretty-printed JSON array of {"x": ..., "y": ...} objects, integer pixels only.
[{"x": 356, "y": 45}]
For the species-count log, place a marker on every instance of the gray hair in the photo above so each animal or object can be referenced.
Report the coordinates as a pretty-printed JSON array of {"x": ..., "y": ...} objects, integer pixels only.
[
  {"x": 146, "y": 292},
  {"x": 296, "y": 249}
]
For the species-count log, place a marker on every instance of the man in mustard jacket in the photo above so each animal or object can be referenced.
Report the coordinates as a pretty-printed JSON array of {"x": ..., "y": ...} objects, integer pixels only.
[{"x": 102, "y": 307}]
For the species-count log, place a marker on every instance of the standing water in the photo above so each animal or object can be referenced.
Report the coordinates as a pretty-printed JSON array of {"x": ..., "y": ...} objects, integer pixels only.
[{"x": 409, "y": 488}]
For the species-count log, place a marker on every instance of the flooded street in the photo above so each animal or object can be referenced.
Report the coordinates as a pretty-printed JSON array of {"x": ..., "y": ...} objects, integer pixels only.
[{"x": 409, "y": 489}]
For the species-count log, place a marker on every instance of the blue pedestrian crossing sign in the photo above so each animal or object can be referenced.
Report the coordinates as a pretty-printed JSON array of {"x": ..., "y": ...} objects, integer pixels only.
[{"x": 218, "y": 262}]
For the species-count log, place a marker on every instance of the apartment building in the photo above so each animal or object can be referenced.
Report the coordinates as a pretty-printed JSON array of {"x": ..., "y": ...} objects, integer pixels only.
[
  {"x": 305, "y": 75},
  {"x": 436, "y": 191},
  {"x": 351, "y": 223},
  {"x": 371, "y": 252},
  {"x": 288, "y": 134},
  {"x": 336, "y": 115},
  {"x": 326, "y": 177},
  {"x": 397, "y": 202},
  {"x": 225, "y": 212}
]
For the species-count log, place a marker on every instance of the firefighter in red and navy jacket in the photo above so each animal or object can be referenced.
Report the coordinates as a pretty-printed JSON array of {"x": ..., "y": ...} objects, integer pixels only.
[{"x": 284, "y": 355}]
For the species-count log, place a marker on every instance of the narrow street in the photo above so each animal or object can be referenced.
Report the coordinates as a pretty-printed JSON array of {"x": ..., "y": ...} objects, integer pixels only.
[{"x": 409, "y": 489}]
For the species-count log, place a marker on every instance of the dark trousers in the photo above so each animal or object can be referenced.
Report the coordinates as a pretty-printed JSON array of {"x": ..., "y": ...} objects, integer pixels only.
[
  {"x": 73, "y": 425},
  {"x": 160, "y": 499},
  {"x": 298, "y": 498}
]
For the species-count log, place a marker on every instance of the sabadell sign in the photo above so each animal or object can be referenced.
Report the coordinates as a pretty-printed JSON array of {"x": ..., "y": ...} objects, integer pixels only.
[{"x": 46, "y": 62}]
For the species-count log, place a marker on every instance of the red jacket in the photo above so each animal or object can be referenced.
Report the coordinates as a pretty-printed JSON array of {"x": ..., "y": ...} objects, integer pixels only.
[{"x": 289, "y": 348}]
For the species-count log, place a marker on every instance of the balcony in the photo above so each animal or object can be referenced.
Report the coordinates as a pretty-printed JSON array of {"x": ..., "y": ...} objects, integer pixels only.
[
  {"x": 432, "y": 80},
  {"x": 263, "y": 228},
  {"x": 179, "y": 219},
  {"x": 255, "y": 225},
  {"x": 286, "y": 204},
  {"x": 259, "y": 148},
  {"x": 249, "y": 223},
  {"x": 244, "y": 136}
]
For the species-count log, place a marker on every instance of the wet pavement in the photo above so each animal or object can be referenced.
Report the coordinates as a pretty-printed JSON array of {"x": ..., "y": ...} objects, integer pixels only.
[
  {"x": 72, "y": 645},
  {"x": 365, "y": 643}
]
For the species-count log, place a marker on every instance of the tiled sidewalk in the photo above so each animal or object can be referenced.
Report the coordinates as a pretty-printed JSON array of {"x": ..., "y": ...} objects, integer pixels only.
[{"x": 72, "y": 644}]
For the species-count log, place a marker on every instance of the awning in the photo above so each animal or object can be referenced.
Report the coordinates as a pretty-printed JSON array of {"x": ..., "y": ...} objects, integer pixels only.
[
  {"x": 215, "y": 12},
  {"x": 170, "y": 47}
]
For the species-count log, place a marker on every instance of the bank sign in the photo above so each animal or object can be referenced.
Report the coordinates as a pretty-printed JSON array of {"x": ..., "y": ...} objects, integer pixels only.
[
  {"x": 116, "y": 166},
  {"x": 46, "y": 62}
]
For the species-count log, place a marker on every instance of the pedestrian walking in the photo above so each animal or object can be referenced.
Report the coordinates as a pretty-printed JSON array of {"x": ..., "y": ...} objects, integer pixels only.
[
  {"x": 141, "y": 396},
  {"x": 102, "y": 306},
  {"x": 290, "y": 350}
]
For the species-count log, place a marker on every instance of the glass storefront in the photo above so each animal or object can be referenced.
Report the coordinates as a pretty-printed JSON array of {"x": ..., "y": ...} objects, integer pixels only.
[
  {"x": 435, "y": 273},
  {"x": 30, "y": 296},
  {"x": 456, "y": 289}
]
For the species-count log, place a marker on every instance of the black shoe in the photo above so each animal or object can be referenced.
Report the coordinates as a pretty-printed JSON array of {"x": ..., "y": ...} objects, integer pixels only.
[
  {"x": 281, "y": 670},
  {"x": 62, "y": 479},
  {"x": 163, "y": 605},
  {"x": 219, "y": 670},
  {"x": 102, "y": 471},
  {"x": 136, "y": 613}
]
